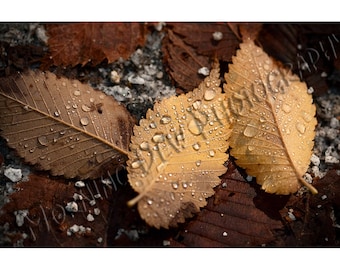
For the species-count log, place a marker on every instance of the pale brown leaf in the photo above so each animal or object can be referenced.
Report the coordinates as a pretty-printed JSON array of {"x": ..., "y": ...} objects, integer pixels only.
[
  {"x": 62, "y": 125},
  {"x": 178, "y": 152},
  {"x": 273, "y": 120}
]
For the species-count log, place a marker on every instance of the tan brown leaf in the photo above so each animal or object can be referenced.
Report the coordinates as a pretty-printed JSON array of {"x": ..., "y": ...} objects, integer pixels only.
[
  {"x": 273, "y": 120},
  {"x": 62, "y": 125},
  {"x": 178, "y": 152},
  {"x": 81, "y": 43}
]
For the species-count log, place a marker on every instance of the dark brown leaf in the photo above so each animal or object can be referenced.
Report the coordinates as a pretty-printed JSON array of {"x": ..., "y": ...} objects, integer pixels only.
[
  {"x": 81, "y": 43},
  {"x": 234, "y": 217},
  {"x": 191, "y": 46},
  {"x": 309, "y": 50},
  {"x": 48, "y": 223}
]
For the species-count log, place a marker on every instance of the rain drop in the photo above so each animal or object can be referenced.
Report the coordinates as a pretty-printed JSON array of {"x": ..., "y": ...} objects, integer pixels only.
[
  {"x": 174, "y": 185},
  {"x": 85, "y": 108},
  {"x": 84, "y": 121},
  {"x": 43, "y": 140},
  {"x": 307, "y": 117},
  {"x": 76, "y": 93},
  {"x": 250, "y": 131},
  {"x": 144, "y": 146},
  {"x": 158, "y": 138},
  {"x": 251, "y": 148},
  {"x": 184, "y": 185},
  {"x": 195, "y": 127},
  {"x": 286, "y": 108},
  {"x": 196, "y": 146},
  {"x": 300, "y": 128},
  {"x": 152, "y": 125},
  {"x": 197, "y": 104},
  {"x": 56, "y": 113},
  {"x": 198, "y": 163},
  {"x": 211, "y": 153},
  {"x": 166, "y": 119},
  {"x": 136, "y": 164},
  {"x": 209, "y": 94}
]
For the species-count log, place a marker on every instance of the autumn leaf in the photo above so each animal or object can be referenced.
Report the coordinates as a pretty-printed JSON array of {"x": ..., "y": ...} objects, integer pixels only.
[
  {"x": 188, "y": 47},
  {"x": 39, "y": 209},
  {"x": 310, "y": 50},
  {"x": 177, "y": 153},
  {"x": 273, "y": 120},
  {"x": 63, "y": 125},
  {"x": 233, "y": 217},
  {"x": 81, "y": 43}
]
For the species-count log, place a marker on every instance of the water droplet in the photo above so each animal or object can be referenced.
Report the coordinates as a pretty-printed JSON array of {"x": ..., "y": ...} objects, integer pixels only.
[
  {"x": 43, "y": 140},
  {"x": 184, "y": 185},
  {"x": 136, "y": 164},
  {"x": 138, "y": 183},
  {"x": 152, "y": 125},
  {"x": 76, "y": 93},
  {"x": 180, "y": 137},
  {"x": 197, "y": 104},
  {"x": 85, "y": 108},
  {"x": 149, "y": 201},
  {"x": 161, "y": 167},
  {"x": 209, "y": 94},
  {"x": 307, "y": 117},
  {"x": 158, "y": 138},
  {"x": 174, "y": 185},
  {"x": 286, "y": 108},
  {"x": 196, "y": 146},
  {"x": 198, "y": 163},
  {"x": 250, "y": 131},
  {"x": 211, "y": 153},
  {"x": 251, "y": 148},
  {"x": 166, "y": 119},
  {"x": 300, "y": 127},
  {"x": 262, "y": 119},
  {"x": 32, "y": 150},
  {"x": 195, "y": 127},
  {"x": 84, "y": 121},
  {"x": 144, "y": 146},
  {"x": 56, "y": 113}
]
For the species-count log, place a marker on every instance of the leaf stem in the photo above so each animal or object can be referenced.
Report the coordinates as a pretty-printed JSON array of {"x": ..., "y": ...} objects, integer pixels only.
[{"x": 309, "y": 186}]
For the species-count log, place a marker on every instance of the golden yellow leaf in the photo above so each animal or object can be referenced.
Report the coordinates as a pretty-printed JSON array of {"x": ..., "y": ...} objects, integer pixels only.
[
  {"x": 177, "y": 154},
  {"x": 273, "y": 120},
  {"x": 63, "y": 125}
]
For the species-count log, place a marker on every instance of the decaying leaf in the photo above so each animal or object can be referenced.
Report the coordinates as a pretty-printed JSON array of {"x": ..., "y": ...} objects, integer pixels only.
[
  {"x": 81, "y": 43},
  {"x": 62, "y": 125},
  {"x": 188, "y": 47},
  {"x": 233, "y": 218},
  {"x": 39, "y": 209},
  {"x": 177, "y": 154},
  {"x": 273, "y": 120}
]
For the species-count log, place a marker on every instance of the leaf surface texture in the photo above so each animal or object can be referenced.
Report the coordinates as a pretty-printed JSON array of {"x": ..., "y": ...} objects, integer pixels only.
[
  {"x": 177, "y": 154},
  {"x": 81, "y": 43},
  {"x": 273, "y": 120},
  {"x": 63, "y": 125}
]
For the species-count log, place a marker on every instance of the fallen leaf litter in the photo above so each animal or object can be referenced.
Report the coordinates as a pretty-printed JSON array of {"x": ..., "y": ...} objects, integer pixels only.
[{"x": 329, "y": 137}]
